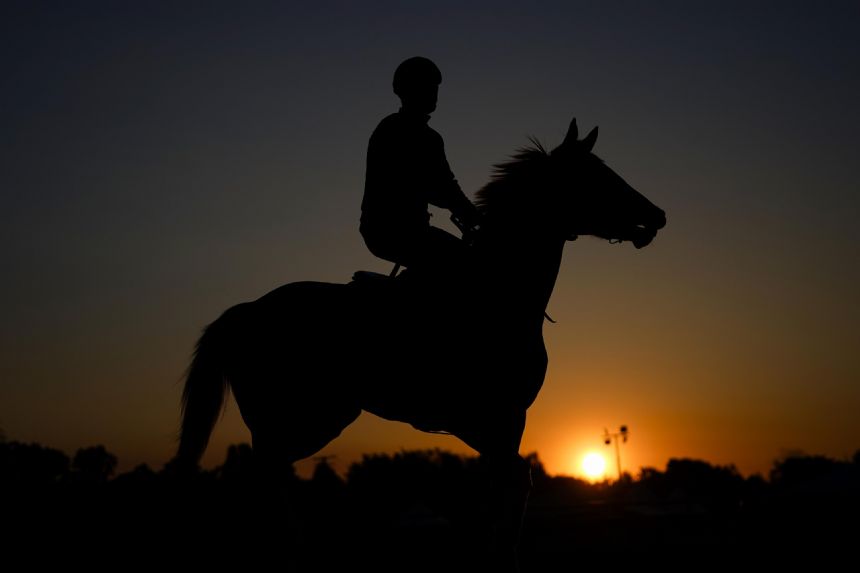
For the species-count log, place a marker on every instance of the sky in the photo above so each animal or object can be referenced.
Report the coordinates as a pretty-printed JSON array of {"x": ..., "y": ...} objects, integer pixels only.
[{"x": 163, "y": 162}]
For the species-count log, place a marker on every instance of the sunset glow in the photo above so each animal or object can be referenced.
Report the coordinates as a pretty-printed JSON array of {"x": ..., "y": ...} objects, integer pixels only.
[{"x": 594, "y": 466}]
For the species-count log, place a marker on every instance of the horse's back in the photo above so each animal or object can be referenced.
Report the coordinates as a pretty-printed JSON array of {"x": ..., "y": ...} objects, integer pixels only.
[{"x": 302, "y": 292}]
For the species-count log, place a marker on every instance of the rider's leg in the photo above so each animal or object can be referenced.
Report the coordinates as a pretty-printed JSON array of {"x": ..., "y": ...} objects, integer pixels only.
[
  {"x": 441, "y": 253},
  {"x": 382, "y": 245},
  {"x": 429, "y": 250}
]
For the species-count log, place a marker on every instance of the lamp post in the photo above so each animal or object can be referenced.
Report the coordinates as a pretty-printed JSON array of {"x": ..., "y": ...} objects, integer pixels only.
[{"x": 609, "y": 437}]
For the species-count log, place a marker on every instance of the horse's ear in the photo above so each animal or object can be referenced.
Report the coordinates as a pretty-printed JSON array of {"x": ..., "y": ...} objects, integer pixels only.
[
  {"x": 572, "y": 134},
  {"x": 590, "y": 139}
]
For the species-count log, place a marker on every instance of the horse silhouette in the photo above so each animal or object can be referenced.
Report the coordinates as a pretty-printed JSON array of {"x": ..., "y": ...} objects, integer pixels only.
[{"x": 461, "y": 353}]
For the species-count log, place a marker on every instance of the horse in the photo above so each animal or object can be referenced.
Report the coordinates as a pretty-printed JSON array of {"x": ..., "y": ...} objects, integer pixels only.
[{"x": 304, "y": 360}]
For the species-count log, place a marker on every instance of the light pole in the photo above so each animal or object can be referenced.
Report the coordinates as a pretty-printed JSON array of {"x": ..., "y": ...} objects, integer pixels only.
[{"x": 607, "y": 439}]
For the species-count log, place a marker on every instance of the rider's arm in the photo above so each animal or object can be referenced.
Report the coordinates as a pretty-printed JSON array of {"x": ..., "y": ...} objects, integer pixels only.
[{"x": 446, "y": 192}]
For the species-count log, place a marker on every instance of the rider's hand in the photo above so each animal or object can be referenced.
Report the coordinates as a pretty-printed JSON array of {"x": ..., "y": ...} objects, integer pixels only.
[
  {"x": 468, "y": 218},
  {"x": 467, "y": 227}
]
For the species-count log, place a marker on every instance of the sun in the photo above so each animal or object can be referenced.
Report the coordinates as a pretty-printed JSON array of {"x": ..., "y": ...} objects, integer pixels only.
[{"x": 594, "y": 465}]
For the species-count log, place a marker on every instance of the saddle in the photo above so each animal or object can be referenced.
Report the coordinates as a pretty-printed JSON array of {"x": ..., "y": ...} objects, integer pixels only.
[
  {"x": 370, "y": 277},
  {"x": 408, "y": 279}
]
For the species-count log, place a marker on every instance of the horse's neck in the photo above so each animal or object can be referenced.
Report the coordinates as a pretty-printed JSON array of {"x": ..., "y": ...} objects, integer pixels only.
[{"x": 521, "y": 269}]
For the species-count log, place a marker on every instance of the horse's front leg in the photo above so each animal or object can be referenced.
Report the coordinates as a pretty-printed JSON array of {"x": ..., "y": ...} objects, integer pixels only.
[
  {"x": 510, "y": 483},
  {"x": 509, "y": 475}
]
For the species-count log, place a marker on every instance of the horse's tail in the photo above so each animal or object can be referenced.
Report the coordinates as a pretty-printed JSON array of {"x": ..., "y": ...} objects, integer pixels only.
[{"x": 203, "y": 396}]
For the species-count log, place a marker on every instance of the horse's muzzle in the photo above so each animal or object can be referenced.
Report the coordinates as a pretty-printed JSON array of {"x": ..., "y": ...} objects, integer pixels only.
[
  {"x": 642, "y": 235},
  {"x": 643, "y": 239}
]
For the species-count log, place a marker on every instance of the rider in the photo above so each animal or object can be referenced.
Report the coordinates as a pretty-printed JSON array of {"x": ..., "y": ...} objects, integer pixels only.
[{"x": 406, "y": 170}]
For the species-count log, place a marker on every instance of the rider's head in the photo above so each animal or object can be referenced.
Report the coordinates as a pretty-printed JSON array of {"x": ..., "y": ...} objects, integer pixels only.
[{"x": 416, "y": 82}]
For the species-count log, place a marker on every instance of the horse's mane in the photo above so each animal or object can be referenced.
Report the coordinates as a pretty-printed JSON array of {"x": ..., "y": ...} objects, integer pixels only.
[{"x": 507, "y": 177}]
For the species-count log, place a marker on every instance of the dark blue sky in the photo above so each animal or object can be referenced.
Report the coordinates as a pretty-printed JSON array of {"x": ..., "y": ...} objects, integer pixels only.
[{"x": 161, "y": 163}]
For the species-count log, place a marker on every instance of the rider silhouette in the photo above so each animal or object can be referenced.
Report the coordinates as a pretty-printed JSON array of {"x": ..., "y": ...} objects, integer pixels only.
[{"x": 406, "y": 171}]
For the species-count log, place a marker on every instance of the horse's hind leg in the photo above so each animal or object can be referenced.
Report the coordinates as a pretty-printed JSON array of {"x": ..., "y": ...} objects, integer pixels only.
[
  {"x": 293, "y": 436},
  {"x": 284, "y": 532}
]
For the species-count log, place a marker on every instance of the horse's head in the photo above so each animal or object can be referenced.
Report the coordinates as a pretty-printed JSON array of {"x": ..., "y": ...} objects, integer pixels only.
[{"x": 589, "y": 198}]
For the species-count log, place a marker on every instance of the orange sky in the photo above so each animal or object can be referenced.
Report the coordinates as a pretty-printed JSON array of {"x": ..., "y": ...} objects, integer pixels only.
[{"x": 164, "y": 165}]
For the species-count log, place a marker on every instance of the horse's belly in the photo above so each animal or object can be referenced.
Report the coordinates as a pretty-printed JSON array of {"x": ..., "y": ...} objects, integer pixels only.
[{"x": 439, "y": 390}]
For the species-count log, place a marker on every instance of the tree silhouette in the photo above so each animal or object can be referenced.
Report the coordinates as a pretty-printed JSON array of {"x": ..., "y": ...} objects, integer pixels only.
[
  {"x": 142, "y": 474},
  {"x": 797, "y": 469},
  {"x": 94, "y": 464},
  {"x": 238, "y": 466},
  {"x": 324, "y": 475},
  {"x": 688, "y": 480},
  {"x": 444, "y": 483},
  {"x": 31, "y": 464},
  {"x": 413, "y": 499}
]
